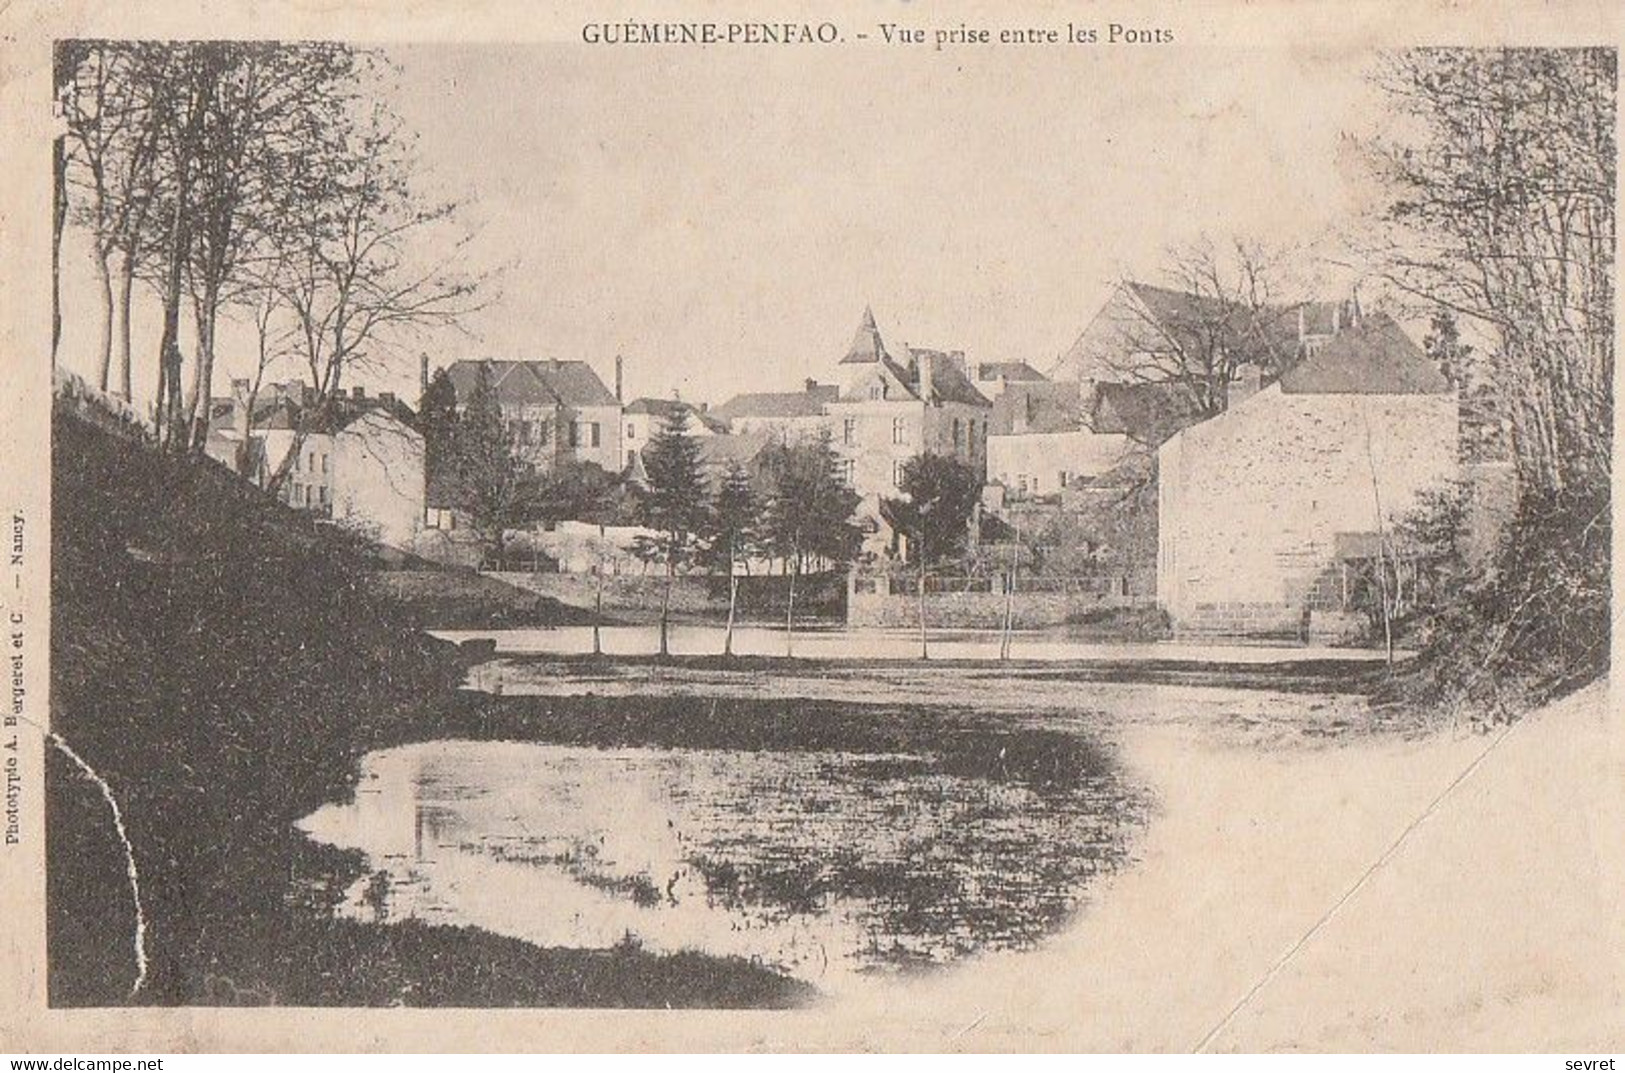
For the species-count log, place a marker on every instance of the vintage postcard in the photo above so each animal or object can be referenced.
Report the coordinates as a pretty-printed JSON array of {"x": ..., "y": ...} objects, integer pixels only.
[{"x": 809, "y": 527}]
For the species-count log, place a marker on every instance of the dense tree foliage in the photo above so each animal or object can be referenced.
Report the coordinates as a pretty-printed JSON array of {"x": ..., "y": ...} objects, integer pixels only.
[
  {"x": 938, "y": 502},
  {"x": 673, "y": 502}
]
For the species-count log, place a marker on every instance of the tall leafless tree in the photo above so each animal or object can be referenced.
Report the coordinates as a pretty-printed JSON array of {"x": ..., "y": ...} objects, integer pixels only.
[
  {"x": 1503, "y": 210},
  {"x": 1219, "y": 309},
  {"x": 363, "y": 278},
  {"x": 113, "y": 98}
]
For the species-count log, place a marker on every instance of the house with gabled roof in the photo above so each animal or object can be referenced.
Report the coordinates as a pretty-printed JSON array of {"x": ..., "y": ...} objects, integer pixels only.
[
  {"x": 553, "y": 409},
  {"x": 1264, "y": 511},
  {"x": 785, "y": 415},
  {"x": 892, "y": 407},
  {"x": 358, "y": 459},
  {"x": 642, "y": 418},
  {"x": 1141, "y": 324}
]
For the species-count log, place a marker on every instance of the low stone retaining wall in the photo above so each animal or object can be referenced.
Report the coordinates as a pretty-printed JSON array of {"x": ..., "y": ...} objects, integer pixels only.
[
  {"x": 981, "y": 610},
  {"x": 1268, "y": 620},
  {"x": 622, "y": 592}
]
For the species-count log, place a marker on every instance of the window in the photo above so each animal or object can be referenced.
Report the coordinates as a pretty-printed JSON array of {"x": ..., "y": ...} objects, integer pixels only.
[
  {"x": 899, "y": 430},
  {"x": 956, "y": 434},
  {"x": 1063, "y": 477},
  {"x": 848, "y": 470},
  {"x": 631, "y": 431},
  {"x": 327, "y": 463},
  {"x": 575, "y": 434},
  {"x": 631, "y": 459},
  {"x": 849, "y": 431},
  {"x": 544, "y": 432},
  {"x": 593, "y": 428},
  {"x": 877, "y": 391},
  {"x": 897, "y": 474}
]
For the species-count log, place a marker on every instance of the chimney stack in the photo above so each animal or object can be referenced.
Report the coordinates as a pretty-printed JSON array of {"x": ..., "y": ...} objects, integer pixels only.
[
  {"x": 358, "y": 392},
  {"x": 925, "y": 377},
  {"x": 811, "y": 385},
  {"x": 1249, "y": 379},
  {"x": 619, "y": 396}
]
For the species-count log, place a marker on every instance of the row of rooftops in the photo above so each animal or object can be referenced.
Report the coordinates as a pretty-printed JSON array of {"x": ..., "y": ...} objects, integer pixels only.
[{"x": 1323, "y": 348}]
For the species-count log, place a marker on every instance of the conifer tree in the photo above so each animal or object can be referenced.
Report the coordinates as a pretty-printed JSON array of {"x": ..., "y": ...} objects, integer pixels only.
[{"x": 674, "y": 502}]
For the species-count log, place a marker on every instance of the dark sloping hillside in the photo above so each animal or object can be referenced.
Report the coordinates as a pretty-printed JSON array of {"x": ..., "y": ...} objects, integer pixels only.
[{"x": 218, "y": 659}]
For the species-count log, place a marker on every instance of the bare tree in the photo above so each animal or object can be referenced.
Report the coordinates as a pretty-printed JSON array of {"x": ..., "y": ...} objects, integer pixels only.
[
  {"x": 112, "y": 96},
  {"x": 363, "y": 280},
  {"x": 1219, "y": 311},
  {"x": 274, "y": 107},
  {"x": 1503, "y": 211}
]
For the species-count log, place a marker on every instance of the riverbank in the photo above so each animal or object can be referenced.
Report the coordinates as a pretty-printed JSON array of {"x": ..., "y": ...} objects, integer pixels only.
[{"x": 220, "y": 662}]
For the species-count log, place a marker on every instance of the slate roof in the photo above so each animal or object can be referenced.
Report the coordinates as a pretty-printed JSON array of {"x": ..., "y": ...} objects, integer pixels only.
[
  {"x": 1190, "y": 320},
  {"x": 284, "y": 414},
  {"x": 1147, "y": 413},
  {"x": 718, "y": 452},
  {"x": 532, "y": 383},
  {"x": 1375, "y": 357},
  {"x": 665, "y": 408},
  {"x": 1037, "y": 406},
  {"x": 991, "y": 371},
  {"x": 949, "y": 380},
  {"x": 867, "y": 346},
  {"x": 808, "y": 402}
]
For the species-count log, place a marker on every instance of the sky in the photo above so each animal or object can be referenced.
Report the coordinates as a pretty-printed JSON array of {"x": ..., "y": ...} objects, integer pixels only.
[{"x": 721, "y": 218}]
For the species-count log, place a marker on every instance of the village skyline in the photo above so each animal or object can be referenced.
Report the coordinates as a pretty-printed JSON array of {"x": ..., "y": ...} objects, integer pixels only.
[{"x": 1004, "y": 254}]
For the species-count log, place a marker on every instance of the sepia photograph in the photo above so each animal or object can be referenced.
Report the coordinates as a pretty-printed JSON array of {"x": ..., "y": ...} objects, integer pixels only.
[{"x": 906, "y": 527}]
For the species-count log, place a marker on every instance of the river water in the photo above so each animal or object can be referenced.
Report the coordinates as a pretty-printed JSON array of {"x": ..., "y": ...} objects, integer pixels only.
[{"x": 837, "y": 868}]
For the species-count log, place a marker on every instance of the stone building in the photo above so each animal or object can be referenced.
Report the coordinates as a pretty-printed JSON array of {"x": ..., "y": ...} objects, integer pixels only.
[
  {"x": 892, "y": 408},
  {"x": 1263, "y": 510},
  {"x": 553, "y": 409},
  {"x": 358, "y": 461}
]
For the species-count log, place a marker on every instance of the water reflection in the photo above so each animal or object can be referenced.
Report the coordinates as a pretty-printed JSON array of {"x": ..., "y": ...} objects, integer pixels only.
[{"x": 829, "y": 866}]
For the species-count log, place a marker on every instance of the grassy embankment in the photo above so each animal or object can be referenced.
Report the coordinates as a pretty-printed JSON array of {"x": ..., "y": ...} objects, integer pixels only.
[{"x": 221, "y": 662}]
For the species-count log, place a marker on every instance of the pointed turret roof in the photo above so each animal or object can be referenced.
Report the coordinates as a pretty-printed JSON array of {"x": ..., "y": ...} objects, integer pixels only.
[{"x": 867, "y": 347}]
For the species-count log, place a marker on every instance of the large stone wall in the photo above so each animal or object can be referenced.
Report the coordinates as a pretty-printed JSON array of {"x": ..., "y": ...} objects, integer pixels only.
[{"x": 1250, "y": 504}]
